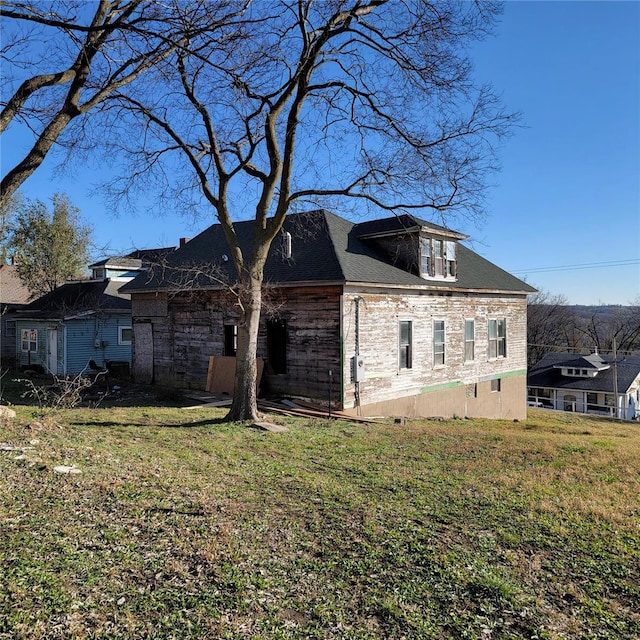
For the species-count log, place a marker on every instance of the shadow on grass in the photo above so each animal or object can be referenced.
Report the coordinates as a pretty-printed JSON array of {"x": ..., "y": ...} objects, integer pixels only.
[{"x": 155, "y": 425}]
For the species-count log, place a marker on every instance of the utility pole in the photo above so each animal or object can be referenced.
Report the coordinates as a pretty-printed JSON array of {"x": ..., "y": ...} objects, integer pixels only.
[{"x": 615, "y": 379}]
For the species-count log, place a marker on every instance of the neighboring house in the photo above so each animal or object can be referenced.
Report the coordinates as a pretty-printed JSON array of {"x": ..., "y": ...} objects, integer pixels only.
[
  {"x": 86, "y": 324},
  {"x": 587, "y": 384},
  {"x": 388, "y": 317},
  {"x": 81, "y": 325},
  {"x": 13, "y": 296}
]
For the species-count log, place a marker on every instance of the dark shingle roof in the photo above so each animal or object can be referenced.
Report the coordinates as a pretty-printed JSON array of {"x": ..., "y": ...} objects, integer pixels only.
[
  {"x": 591, "y": 362},
  {"x": 325, "y": 248},
  {"x": 124, "y": 262},
  {"x": 78, "y": 297},
  {"x": 546, "y": 373},
  {"x": 402, "y": 224}
]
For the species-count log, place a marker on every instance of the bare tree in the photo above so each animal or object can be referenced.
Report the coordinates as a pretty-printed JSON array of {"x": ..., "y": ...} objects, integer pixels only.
[
  {"x": 550, "y": 325},
  {"x": 63, "y": 58},
  {"x": 310, "y": 102},
  {"x": 604, "y": 324}
]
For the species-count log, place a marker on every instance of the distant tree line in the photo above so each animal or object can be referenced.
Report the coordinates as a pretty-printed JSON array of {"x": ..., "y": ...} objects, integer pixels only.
[{"x": 555, "y": 325}]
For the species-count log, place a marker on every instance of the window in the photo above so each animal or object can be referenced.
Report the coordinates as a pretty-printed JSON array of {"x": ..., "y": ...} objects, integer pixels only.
[
  {"x": 405, "y": 345},
  {"x": 437, "y": 258},
  {"x": 438, "y": 342},
  {"x": 438, "y": 255},
  {"x": 124, "y": 335},
  {"x": 495, "y": 385},
  {"x": 451, "y": 259},
  {"x": 29, "y": 339},
  {"x": 230, "y": 339},
  {"x": 570, "y": 403},
  {"x": 425, "y": 257},
  {"x": 277, "y": 345},
  {"x": 498, "y": 338},
  {"x": 592, "y": 402},
  {"x": 10, "y": 328},
  {"x": 469, "y": 340}
]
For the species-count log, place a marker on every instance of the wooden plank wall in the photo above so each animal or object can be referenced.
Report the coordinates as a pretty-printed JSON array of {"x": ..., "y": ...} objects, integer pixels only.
[
  {"x": 380, "y": 314},
  {"x": 192, "y": 330}
]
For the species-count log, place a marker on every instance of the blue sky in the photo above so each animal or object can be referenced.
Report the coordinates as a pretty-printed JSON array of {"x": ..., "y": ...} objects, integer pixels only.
[{"x": 569, "y": 192}]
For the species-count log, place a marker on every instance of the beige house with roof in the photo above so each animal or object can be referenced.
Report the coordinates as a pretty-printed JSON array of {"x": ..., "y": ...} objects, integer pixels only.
[{"x": 387, "y": 317}]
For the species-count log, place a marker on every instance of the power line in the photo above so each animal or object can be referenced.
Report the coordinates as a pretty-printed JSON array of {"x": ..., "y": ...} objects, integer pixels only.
[
  {"x": 628, "y": 352},
  {"x": 584, "y": 265}
]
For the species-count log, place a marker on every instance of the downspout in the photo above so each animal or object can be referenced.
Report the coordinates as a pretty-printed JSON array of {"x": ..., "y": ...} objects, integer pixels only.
[{"x": 342, "y": 385}]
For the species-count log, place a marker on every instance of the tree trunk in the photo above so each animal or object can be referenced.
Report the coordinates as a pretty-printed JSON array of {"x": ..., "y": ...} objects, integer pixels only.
[{"x": 245, "y": 395}]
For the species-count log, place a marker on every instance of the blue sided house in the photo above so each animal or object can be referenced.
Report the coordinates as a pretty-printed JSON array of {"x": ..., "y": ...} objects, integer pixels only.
[{"x": 82, "y": 325}]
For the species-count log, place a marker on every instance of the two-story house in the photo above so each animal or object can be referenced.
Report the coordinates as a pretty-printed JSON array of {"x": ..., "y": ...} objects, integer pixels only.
[{"x": 387, "y": 317}]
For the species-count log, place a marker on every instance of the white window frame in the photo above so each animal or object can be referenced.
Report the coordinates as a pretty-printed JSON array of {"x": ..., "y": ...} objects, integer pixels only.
[
  {"x": 497, "y": 345},
  {"x": 30, "y": 338},
  {"x": 425, "y": 257},
  {"x": 439, "y": 348},
  {"x": 405, "y": 350},
  {"x": 121, "y": 340},
  {"x": 471, "y": 341},
  {"x": 437, "y": 258},
  {"x": 496, "y": 385}
]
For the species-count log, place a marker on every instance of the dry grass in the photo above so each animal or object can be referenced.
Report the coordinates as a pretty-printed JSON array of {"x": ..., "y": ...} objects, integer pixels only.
[{"x": 182, "y": 526}]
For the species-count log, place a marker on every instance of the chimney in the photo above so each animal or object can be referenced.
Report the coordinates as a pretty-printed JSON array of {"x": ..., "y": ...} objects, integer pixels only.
[{"x": 184, "y": 241}]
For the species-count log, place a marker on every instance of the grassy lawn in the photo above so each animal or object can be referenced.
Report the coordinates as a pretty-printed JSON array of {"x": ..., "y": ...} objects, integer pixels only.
[{"x": 182, "y": 526}]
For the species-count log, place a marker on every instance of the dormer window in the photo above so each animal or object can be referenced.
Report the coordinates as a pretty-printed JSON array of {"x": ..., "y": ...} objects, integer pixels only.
[
  {"x": 415, "y": 245},
  {"x": 437, "y": 258},
  {"x": 579, "y": 373}
]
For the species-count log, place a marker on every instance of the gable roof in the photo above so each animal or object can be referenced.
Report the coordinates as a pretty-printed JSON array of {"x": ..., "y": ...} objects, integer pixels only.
[
  {"x": 325, "y": 248},
  {"x": 79, "y": 297},
  {"x": 546, "y": 373},
  {"x": 12, "y": 291},
  {"x": 115, "y": 262},
  {"x": 135, "y": 259}
]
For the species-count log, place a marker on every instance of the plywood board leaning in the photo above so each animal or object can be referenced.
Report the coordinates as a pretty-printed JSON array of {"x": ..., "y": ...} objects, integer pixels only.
[{"x": 221, "y": 375}]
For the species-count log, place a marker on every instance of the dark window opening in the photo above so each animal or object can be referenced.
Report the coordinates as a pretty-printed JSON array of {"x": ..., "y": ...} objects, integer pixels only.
[
  {"x": 277, "y": 345},
  {"x": 230, "y": 339}
]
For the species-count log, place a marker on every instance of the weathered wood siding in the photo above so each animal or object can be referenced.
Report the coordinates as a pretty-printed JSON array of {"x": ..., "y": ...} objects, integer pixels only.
[
  {"x": 192, "y": 329},
  {"x": 312, "y": 315},
  {"x": 320, "y": 337},
  {"x": 457, "y": 387}
]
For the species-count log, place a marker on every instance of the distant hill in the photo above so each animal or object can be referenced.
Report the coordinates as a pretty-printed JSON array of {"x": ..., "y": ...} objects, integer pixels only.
[{"x": 601, "y": 311}]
